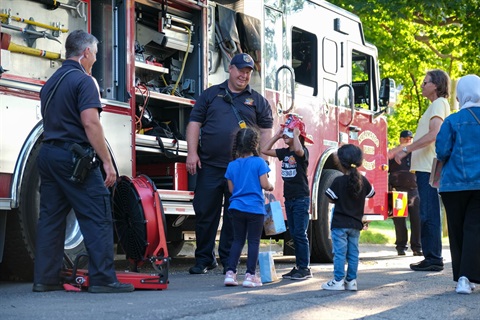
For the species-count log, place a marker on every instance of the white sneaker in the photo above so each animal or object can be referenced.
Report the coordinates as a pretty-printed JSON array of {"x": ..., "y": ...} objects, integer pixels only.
[
  {"x": 351, "y": 285},
  {"x": 464, "y": 286},
  {"x": 251, "y": 281},
  {"x": 334, "y": 285},
  {"x": 230, "y": 279}
]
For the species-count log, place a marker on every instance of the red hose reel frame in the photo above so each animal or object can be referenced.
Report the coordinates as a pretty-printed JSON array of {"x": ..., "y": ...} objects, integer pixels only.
[{"x": 156, "y": 250}]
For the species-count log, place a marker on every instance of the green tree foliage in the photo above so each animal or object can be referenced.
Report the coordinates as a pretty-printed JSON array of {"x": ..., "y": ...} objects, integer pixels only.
[{"x": 413, "y": 37}]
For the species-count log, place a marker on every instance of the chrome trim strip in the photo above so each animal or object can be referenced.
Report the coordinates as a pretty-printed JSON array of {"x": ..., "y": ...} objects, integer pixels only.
[
  {"x": 17, "y": 176},
  {"x": 374, "y": 217},
  {"x": 5, "y": 204},
  {"x": 36, "y": 88},
  {"x": 20, "y": 85},
  {"x": 115, "y": 103},
  {"x": 316, "y": 181}
]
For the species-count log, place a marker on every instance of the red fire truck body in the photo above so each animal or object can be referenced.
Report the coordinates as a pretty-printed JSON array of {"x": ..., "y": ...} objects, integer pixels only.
[{"x": 155, "y": 58}]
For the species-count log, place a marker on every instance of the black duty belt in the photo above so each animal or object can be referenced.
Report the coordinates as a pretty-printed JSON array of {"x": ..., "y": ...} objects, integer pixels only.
[
  {"x": 296, "y": 198},
  {"x": 65, "y": 144}
]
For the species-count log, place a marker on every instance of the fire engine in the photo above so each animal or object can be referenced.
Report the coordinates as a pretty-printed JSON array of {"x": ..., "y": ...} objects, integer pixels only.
[{"x": 155, "y": 58}]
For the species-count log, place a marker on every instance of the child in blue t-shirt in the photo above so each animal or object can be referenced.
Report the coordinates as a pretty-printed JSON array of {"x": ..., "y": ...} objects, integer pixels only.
[
  {"x": 295, "y": 189},
  {"x": 246, "y": 177}
]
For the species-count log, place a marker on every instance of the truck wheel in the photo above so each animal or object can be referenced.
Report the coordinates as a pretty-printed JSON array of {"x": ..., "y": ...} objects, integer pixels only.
[
  {"x": 22, "y": 223},
  {"x": 174, "y": 247},
  {"x": 175, "y": 239},
  {"x": 320, "y": 238}
]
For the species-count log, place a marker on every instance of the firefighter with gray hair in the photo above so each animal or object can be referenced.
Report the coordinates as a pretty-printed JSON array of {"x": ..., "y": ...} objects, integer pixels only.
[{"x": 73, "y": 139}]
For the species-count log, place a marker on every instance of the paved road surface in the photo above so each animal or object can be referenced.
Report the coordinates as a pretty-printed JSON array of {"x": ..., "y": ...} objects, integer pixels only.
[{"x": 388, "y": 289}]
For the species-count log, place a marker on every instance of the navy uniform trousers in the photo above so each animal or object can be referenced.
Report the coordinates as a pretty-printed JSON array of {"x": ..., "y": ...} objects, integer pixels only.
[
  {"x": 91, "y": 202},
  {"x": 211, "y": 191}
]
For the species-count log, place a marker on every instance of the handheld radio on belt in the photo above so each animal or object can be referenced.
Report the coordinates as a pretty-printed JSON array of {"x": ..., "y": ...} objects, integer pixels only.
[{"x": 84, "y": 161}]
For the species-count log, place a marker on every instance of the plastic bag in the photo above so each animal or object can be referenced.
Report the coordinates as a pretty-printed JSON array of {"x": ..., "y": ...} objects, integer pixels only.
[
  {"x": 267, "y": 267},
  {"x": 274, "y": 222}
]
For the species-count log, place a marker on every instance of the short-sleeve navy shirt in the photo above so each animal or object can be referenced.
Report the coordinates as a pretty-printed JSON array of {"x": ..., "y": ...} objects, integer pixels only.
[
  {"x": 77, "y": 92},
  {"x": 219, "y": 123}
]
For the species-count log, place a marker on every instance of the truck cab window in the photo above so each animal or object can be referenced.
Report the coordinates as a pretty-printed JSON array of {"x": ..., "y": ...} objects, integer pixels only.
[
  {"x": 304, "y": 57},
  {"x": 362, "y": 73}
]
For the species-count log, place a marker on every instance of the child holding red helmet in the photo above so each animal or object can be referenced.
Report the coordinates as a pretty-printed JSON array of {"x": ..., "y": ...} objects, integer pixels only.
[{"x": 295, "y": 189}]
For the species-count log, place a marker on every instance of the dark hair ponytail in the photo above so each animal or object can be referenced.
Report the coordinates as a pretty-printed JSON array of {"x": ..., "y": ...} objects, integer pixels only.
[
  {"x": 247, "y": 140},
  {"x": 351, "y": 157}
]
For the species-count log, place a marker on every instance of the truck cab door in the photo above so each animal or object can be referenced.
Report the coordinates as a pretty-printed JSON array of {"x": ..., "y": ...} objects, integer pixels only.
[{"x": 360, "y": 120}]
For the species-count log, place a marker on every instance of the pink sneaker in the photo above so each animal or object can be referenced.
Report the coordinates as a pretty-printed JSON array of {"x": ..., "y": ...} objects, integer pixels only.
[
  {"x": 251, "y": 281},
  {"x": 230, "y": 279}
]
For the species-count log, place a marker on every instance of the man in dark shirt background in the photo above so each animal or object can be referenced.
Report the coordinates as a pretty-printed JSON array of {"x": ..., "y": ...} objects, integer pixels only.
[{"x": 401, "y": 179}]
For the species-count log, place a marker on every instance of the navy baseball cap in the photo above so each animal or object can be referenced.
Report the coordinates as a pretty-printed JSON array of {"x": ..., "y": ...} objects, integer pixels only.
[
  {"x": 242, "y": 60},
  {"x": 406, "y": 134}
]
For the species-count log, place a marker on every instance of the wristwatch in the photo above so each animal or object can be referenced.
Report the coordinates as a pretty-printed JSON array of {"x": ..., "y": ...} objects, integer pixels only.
[{"x": 405, "y": 149}]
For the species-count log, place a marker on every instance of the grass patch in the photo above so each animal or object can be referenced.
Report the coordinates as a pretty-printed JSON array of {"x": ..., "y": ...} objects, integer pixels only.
[
  {"x": 379, "y": 232},
  {"x": 383, "y": 232},
  {"x": 373, "y": 238},
  {"x": 273, "y": 241}
]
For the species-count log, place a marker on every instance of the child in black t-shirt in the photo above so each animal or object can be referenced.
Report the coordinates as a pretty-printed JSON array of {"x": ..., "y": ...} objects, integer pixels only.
[
  {"x": 295, "y": 190},
  {"x": 348, "y": 192}
]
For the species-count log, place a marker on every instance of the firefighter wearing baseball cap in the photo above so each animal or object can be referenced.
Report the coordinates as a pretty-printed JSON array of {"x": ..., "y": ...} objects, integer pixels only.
[
  {"x": 219, "y": 112},
  {"x": 401, "y": 179}
]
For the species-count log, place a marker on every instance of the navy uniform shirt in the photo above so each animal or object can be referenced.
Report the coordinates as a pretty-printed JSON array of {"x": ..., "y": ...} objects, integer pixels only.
[
  {"x": 78, "y": 91},
  {"x": 219, "y": 123}
]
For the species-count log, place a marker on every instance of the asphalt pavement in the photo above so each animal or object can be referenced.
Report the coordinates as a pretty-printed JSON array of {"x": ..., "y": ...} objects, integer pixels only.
[{"x": 387, "y": 289}]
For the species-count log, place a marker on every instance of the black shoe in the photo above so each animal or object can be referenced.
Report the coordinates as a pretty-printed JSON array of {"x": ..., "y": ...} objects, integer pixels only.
[
  {"x": 38, "y": 287},
  {"x": 199, "y": 269},
  {"x": 424, "y": 265},
  {"x": 289, "y": 274},
  {"x": 212, "y": 266},
  {"x": 301, "y": 274},
  {"x": 116, "y": 287},
  {"x": 418, "y": 253},
  {"x": 401, "y": 252}
]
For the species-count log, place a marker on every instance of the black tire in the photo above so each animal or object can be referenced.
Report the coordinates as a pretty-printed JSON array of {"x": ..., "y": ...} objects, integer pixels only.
[
  {"x": 22, "y": 223},
  {"x": 174, "y": 247},
  {"x": 174, "y": 235},
  {"x": 321, "y": 242}
]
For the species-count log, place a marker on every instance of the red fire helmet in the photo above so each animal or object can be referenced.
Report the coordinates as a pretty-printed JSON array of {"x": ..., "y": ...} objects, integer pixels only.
[{"x": 295, "y": 121}]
